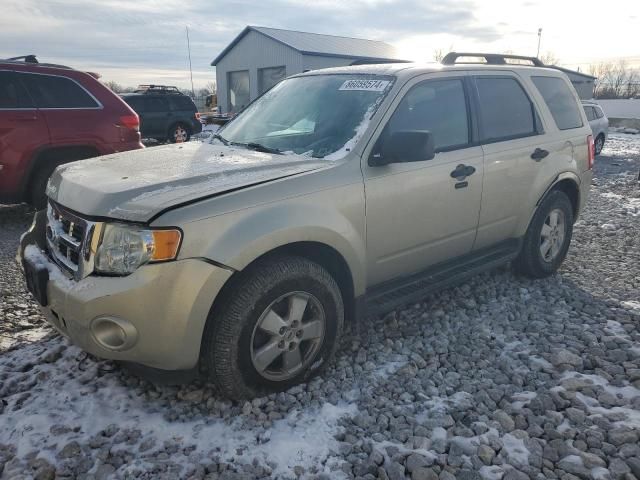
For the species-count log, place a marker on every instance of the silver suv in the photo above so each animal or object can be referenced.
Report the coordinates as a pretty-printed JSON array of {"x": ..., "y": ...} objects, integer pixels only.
[
  {"x": 338, "y": 194},
  {"x": 598, "y": 122}
]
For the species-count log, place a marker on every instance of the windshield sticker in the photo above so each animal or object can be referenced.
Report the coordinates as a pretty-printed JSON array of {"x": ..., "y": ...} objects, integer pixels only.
[{"x": 365, "y": 85}]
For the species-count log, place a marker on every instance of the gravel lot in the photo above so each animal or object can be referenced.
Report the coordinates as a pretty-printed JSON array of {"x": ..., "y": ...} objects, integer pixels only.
[{"x": 500, "y": 377}]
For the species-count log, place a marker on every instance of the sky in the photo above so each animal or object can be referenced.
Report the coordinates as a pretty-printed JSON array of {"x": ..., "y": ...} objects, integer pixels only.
[{"x": 144, "y": 41}]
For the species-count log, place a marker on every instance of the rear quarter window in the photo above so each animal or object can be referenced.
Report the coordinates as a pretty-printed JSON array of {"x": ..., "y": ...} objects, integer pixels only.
[
  {"x": 51, "y": 91},
  {"x": 560, "y": 100}
]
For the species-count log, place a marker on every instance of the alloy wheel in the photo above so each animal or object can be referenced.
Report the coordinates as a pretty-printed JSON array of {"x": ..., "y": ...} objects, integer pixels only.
[
  {"x": 287, "y": 336},
  {"x": 552, "y": 235}
]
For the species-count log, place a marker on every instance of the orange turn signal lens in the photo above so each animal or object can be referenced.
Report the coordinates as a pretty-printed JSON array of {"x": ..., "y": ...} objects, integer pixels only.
[{"x": 166, "y": 244}]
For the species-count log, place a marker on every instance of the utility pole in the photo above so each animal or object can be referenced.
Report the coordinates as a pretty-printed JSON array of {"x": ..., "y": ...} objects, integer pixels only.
[
  {"x": 539, "y": 38},
  {"x": 193, "y": 92}
]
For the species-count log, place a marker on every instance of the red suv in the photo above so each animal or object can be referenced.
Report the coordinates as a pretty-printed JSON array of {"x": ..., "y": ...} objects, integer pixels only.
[{"x": 50, "y": 115}]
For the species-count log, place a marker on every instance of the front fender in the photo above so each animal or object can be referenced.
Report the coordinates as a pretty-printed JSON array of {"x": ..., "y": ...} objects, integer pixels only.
[{"x": 238, "y": 238}]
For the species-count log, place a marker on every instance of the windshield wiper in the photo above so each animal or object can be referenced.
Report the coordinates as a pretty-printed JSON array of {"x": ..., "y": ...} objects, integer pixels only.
[
  {"x": 258, "y": 147},
  {"x": 217, "y": 136}
]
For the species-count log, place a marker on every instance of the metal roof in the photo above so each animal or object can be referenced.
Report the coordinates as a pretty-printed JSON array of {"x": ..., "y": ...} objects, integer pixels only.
[
  {"x": 318, "y": 44},
  {"x": 572, "y": 72}
]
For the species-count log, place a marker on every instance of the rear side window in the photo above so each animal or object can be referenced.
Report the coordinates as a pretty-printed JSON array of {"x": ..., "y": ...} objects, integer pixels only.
[
  {"x": 12, "y": 92},
  {"x": 50, "y": 91},
  {"x": 591, "y": 114},
  {"x": 152, "y": 104},
  {"x": 182, "y": 102},
  {"x": 599, "y": 112},
  {"x": 438, "y": 106},
  {"x": 560, "y": 100},
  {"x": 505, "y": 109}
]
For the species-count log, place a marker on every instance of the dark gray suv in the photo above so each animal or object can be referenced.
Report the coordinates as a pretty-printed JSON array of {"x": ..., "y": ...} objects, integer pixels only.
[{"x": 165, "y": 113}]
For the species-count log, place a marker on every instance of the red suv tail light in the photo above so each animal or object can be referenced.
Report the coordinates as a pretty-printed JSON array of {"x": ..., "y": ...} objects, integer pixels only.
[
  {"x": 592, "y": 150},
  {"x": 130, "y": 121}
]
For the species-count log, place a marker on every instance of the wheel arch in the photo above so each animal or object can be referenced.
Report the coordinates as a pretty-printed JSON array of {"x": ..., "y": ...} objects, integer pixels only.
[
  {"x": 569, "y": 183},
  {"x": 56, "y": 155},
  {"x": 320, "y": 253}
]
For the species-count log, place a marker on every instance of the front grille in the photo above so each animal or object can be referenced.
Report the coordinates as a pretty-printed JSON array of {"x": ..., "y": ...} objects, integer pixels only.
[{"x": 69, "y": 240}]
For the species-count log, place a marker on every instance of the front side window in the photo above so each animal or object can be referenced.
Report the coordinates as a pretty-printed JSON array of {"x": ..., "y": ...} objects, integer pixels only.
[
  {"x": 560, "y": 100},
  {"x": 321, "y": 116},
  {"x": 505, "y": 109},
  {"x": 50, "y": 91},
  {"x": 438, "y": 106},
  {"x": 238, "y": 90},
  {"x": 12, "y": 92},
  {"x": 268, "y": 77}
]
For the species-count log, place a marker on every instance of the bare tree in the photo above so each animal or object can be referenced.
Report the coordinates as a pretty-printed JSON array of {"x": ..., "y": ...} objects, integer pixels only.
[
  {"x": 438, "y": 54},
  {"x": 549, "y": 58},
  {"x": 113, "y": 86},
  {"x": 211, "y": 86},
  {"x": 615, "y": 80}
]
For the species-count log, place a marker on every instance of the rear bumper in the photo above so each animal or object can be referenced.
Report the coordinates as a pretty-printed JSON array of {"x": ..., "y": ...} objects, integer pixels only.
[{"x": 154, "y": 317}]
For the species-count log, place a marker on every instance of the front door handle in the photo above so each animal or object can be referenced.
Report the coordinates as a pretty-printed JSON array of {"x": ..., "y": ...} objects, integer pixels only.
[
  {"x": 463, "y": 171},
  {"x": 538, "y": 154}
]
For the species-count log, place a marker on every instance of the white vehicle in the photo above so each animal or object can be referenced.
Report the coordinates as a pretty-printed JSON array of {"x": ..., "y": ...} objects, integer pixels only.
[{"x": 598, "y": 122}]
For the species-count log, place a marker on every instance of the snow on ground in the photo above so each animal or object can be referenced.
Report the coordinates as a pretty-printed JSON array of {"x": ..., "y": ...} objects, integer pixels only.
[{"x": 501, "y": 377}]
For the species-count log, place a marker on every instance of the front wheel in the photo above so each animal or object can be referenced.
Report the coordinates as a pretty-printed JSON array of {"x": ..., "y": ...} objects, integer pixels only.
[
  {"x": 279, "y": 326},
  {"x": 548, "y": 237}
]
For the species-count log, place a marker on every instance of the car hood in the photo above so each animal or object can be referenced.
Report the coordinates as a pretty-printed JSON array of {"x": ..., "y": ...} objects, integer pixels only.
[{"x": 137, "y": 185}]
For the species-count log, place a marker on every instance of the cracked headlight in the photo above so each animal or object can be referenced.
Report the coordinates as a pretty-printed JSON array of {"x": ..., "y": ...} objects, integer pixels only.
[{"x": 124, "y": 248}]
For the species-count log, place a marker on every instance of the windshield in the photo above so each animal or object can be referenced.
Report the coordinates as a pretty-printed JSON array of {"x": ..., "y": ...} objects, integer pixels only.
[{"x": 322, "y": 116}]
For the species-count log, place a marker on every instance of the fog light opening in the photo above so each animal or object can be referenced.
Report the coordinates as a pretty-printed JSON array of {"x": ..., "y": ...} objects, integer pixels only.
[{"x": 113, "y": 333}]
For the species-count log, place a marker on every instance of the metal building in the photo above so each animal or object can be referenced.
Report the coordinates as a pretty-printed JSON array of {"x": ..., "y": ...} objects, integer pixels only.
[
  {"x": 583, "y": 83},
  {"x": 260, "y": 57}
]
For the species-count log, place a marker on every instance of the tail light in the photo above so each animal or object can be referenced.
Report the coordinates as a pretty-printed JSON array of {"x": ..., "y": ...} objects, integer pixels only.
[
  {"x": 592, "y": 150},
  {"x": 130, "y": 121}
]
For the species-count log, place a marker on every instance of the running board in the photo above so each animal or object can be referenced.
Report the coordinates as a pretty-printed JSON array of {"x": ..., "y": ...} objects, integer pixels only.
[{"x": 390, "y": 295}]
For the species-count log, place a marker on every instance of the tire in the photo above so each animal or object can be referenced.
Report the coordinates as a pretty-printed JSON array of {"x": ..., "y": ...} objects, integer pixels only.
[
  {"x": 37, "y": 196},
  {"x": 531, "y": 261},
  {"x": 599, "y": 144},
  {"x": 179, "y": 129},
  {"x": 38, "y": 185},
  {"x": 242, "y": 335}
]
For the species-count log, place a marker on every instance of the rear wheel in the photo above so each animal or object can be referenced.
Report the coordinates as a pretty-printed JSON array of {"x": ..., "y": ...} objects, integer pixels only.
[
  {"x": 179, "y": 133},
  {"x": 548, "y": 237},
  {"x": 598, "y": 144},
  {"x": 279, "y": 326}
]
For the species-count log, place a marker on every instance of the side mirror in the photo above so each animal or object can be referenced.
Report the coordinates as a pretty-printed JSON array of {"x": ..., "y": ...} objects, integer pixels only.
[{"x": 403, "y": 146}]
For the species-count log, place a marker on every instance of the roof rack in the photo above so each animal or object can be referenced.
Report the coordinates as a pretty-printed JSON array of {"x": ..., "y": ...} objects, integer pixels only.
[
  {"x": 490, "y": 58},
  {"x": 25, "y": 58},
  {"x": 169, "y": 89},
  {"x": 32, "y": 60}
]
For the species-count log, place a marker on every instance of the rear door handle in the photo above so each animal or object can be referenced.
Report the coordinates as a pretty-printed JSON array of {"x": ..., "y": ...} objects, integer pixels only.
[
  {"x": 538, "y": 154},
  {"x": 463, "y": 171}
]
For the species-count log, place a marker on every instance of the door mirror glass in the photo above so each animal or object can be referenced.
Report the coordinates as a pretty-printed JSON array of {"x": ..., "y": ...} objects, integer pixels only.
[{"x": 403, "y": 146}]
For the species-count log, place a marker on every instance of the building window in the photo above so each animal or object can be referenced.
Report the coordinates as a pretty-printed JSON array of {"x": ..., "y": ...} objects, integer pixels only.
[
  {"x": 268, "y": 77},
  {"x": 238, "y": 90}
]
